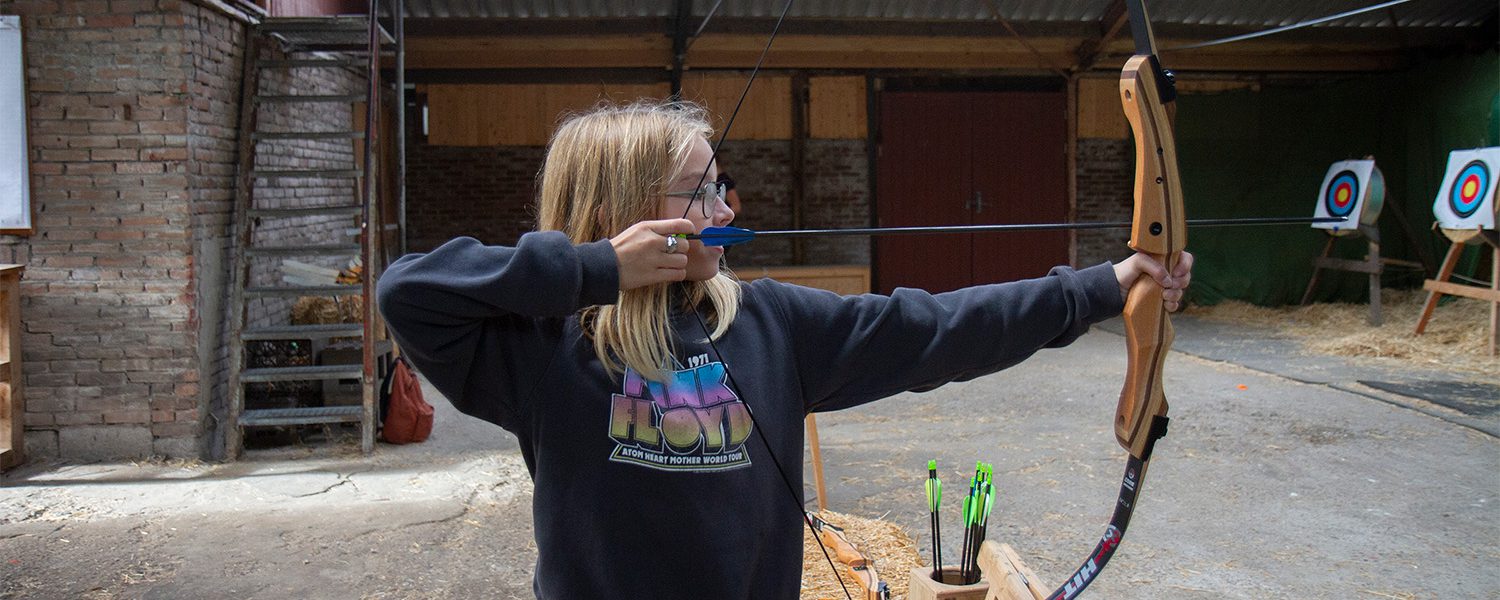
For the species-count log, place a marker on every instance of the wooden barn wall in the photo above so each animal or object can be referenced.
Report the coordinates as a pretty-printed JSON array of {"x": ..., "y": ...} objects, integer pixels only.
[{"x": 476, "y": 170}]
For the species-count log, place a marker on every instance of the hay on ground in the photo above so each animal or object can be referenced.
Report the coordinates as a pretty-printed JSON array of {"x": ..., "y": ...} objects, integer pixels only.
[{"x": 1456, "y": 337}]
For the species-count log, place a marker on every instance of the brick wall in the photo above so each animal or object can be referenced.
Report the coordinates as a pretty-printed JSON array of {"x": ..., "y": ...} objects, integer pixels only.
[
  {"x": 486, "y": 192},
  {"x": 215, "y": 51},
  {"x": 133, "y": 112},
  {"x": 107, "y": 297},
  {"x": 1106, "y": 175}
]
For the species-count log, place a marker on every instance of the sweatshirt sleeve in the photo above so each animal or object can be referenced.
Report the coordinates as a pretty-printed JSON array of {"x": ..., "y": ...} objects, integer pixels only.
[
  {"x": 474, "y": 319},
  {"x": 855, "y": 349}
]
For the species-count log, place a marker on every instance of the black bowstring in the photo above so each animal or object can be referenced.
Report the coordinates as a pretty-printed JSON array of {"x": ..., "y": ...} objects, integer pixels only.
[{"x": 708, "y": 337}]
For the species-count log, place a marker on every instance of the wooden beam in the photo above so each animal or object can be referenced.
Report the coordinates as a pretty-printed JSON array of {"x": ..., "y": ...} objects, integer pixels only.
[
  {"x": 1110, "y": 23},
  {"x": 561, "y": 52},
  {"x": 650, "y": 51},
  {"x": 1458, "y": 289}
]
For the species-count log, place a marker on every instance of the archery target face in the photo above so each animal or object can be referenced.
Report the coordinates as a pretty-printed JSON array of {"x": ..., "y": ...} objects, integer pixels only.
[
  {"x": 1467, "y": 198},
  {"x": 1346, "y": 192},
  {"x": 1339, "y": 199}
]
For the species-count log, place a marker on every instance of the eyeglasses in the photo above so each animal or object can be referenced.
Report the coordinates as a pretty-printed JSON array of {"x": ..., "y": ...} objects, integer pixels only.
[{"x": 712, "y": 189}]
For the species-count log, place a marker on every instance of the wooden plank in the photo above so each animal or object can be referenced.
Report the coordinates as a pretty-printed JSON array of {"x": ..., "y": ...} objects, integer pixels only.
[
  {"x": 1450, "y": 261},
  {"x": 836, "y": 108},
  {"x": 12, "y": 396},
  {"x": 1495, "y": 308},
  {"x": 516, "y": 114},
  {"x": 766, "y": 113},
  {"x": 513, "y": 52},
  {"x": 1099, "y": 114},
  {"x": 1458, "y": 289},
  {"x": 839, "y": 279},
  {"x": 739, "y": 51},
  {"x": 1009, "y": 577},
  {"x": 817, "y": 462},
  {"x": 1344, "y": 264}
]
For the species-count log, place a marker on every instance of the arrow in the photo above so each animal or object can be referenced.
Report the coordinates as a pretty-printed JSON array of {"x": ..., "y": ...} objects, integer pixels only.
[
  {"x": 730, "y": 236},
  {"x": 934, "y": 488}
]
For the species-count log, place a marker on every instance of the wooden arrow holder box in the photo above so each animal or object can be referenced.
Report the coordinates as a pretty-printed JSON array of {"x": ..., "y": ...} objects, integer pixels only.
[{"x": 923, "y": 587}]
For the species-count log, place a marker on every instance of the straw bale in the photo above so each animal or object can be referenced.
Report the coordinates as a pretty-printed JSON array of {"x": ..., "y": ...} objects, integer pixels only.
[{"x": 327, "y": 310}]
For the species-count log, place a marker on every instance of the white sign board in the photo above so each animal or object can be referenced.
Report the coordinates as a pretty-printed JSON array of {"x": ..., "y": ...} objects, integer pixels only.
[
  {"x": 1348, "y": 187},
  {"x": 1467, "y": 198},
  {"x": 15, "y": 186}
]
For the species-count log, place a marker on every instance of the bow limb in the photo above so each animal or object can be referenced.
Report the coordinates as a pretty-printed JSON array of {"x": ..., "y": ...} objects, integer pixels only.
[
  {"x": 1159, "y": 230},
  {"x": 860, "y": 568}
]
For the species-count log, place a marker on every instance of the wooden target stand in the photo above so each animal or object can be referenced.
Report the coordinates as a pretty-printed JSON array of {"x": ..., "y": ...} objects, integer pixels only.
[
  {"x": 1373, "y": 264},
  {"x": 1440, "y": 286}
]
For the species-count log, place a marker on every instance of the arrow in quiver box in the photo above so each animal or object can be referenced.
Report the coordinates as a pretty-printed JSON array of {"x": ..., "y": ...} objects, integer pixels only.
[
  {"x": 1353, "y": 189},
  {"x": 1467, "y": 199}
]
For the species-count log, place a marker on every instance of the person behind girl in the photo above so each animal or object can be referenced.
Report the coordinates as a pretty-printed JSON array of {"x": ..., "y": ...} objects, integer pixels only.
[{"x": 627, "y": 361}]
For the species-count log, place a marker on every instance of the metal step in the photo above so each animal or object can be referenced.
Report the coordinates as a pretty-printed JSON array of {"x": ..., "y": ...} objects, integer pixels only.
[
  {"x": 310, "y": 415},
  {"x": 305, "y": 174},
  {"x": 304, "y": 290},
  {"x": 346, "y": 33},
  {"x": 303, "y": 332},
  {"x": 289, "y": 63},
  {"x": 313, "y": 373},
  {"x": 316, "y": 211},
  {"x": 308, "y": 135},
  {"x": 289, "y": 98},
  {"x": 309, "y": 250}
]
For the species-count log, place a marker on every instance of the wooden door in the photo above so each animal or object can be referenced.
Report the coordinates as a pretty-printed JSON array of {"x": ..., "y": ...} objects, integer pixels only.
[
  {"x": 1019, "y": 165},
  {"x": 923, "y": 177},
  {"x": 961, "y": 158}
]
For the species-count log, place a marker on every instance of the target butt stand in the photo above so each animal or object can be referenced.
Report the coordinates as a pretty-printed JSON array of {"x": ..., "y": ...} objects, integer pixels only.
[
  {"x": 1354, "y": 189},
  {"x": 1466, "y": 213}
]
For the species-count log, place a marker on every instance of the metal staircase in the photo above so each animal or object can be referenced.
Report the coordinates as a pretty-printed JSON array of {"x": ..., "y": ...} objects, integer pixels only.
[{"x": 354, "y": 44}]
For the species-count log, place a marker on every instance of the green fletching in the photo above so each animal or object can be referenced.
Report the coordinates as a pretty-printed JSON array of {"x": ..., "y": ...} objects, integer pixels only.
[{"x": 934, "y": 487}]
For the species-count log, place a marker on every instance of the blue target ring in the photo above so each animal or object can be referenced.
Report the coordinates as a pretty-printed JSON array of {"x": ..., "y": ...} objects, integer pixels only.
[
  {"x": 1469, "y": 189},
  {"x": 1343, "y": 191}
]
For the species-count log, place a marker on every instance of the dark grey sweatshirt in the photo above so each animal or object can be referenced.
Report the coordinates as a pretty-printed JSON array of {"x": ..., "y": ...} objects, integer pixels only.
[{"x": 663, "y": 490}]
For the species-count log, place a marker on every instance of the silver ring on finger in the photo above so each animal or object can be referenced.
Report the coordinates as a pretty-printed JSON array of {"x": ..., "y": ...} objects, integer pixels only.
[{"x": 672, "y": 243}]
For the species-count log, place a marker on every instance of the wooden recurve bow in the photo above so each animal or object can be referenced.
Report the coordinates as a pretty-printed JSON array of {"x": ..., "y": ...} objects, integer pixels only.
[{"x": 1158, "y": 228}]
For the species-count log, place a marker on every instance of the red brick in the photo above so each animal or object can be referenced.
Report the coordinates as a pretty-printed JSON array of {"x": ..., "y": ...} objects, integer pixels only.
[
  {"x": 78, "y": 418},
  {"x": 127, "y": 416},
  {"x": 165, "y": 154},
  {"x": 164, "y": 127},
  {"x": 140, "y": 167}
]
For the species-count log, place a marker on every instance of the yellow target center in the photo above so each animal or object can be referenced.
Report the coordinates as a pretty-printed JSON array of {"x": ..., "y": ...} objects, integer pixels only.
[
  {"x": 1343, "y": 195},
  {"x": 1471, "y": 188}
]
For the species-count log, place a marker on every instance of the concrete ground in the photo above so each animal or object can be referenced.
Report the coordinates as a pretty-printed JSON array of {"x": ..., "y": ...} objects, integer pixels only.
[{"x": 1282, "y": 477}]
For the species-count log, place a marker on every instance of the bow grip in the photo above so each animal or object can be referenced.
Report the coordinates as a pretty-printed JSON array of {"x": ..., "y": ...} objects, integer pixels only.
[{"x": 1159, "y": 230}]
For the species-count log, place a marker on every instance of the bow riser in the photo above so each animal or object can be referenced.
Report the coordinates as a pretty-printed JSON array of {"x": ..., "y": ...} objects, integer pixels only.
[{"x": 1158, "y": 229}]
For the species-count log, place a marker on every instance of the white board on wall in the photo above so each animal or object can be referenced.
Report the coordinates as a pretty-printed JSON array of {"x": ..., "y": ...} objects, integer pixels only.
[{"x": 15, "y": 184}]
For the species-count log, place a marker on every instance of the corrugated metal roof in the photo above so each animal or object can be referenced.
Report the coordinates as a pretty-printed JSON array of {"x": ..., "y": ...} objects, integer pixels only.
[{"x": 1238, "y": 13}]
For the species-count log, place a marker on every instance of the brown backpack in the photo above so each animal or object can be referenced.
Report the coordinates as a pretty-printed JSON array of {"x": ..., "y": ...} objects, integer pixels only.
[{"x": 406, "y": 418}]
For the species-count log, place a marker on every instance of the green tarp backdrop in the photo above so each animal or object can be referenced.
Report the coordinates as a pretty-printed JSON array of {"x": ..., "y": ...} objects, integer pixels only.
[{"x": 1264, "y": 153}]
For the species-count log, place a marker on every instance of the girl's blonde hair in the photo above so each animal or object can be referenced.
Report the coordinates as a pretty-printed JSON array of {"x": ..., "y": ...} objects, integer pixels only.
[{"x": 606, "y": 170}]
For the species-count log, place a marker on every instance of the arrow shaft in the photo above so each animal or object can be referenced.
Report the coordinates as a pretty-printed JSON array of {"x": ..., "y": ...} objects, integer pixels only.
[{"x": 790, "y": 233}]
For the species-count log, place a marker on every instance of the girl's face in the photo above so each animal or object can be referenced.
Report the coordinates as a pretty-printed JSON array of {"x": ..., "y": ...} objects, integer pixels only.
[{"x": 703, "y": 209}]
